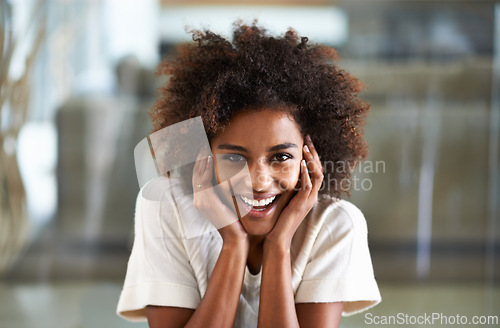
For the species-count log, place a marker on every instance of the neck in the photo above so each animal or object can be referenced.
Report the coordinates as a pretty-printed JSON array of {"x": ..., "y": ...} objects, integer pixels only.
[{"x": 255, "y": 252}]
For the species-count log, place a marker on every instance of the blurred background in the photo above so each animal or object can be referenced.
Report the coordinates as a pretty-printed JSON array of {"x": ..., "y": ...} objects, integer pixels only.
[{"x": 77, "y": 79}]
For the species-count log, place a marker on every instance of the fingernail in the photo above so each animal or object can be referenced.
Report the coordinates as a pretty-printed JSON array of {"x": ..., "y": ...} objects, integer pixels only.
[
  {"x": 304, "y": 162},
  {"x": 308, "y": 137},
  {"x": 306, "y": 148}
]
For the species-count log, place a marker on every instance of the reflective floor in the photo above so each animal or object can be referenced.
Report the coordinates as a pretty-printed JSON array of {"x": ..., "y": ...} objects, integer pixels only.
[
  {"x": 92, "y": 305},
  {"x": 61, "y": 305}
]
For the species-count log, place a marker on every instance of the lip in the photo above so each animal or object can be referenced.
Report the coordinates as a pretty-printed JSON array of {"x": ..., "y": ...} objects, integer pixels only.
[{"x": 255, "y": 213}]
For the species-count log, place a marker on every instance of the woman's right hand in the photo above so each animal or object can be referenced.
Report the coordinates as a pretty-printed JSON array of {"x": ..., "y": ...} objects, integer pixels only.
[{"x": 208, "y": 203}]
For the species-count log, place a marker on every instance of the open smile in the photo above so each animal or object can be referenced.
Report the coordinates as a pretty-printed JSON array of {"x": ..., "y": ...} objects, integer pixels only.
[
  {"x": 259, "y": 207},
  {"x": 263, "y": 202}
]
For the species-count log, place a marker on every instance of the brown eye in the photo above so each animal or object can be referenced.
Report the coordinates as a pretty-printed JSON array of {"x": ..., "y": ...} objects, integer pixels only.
[{"x": 281, "y": 157}]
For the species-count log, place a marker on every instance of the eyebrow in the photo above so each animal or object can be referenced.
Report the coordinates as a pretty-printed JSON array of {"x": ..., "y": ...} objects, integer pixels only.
[
  {"x": 233, "y": 147},
  {"x": 282, "y": 146}
]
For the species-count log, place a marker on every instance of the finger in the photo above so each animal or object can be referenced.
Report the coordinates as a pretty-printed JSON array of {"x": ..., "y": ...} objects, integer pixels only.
[
  {"x": 316, "y": 166},
  {"x": 203, "y": 161},
  {"x": 306, "y": 184},
  {"x": 196, "y": 168},
  {"x": 313, "y": 164},
  {"x": 208, "y": 158},
  {"x": 313, "y": 151},
  {"x": 315, "y": 169},
  {"x": 305, "y": 189},
  {"x": 309, "y": 158},
  {"x": 199, "y": 170},
  {"x": 209, "y": 169}
]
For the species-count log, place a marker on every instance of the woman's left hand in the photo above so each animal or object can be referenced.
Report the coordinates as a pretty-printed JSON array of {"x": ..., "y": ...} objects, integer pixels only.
[{"x": 311, "y": 177}]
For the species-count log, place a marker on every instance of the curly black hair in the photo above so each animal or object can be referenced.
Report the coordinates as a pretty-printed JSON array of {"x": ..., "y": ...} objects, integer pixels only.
[{"x": 215, "y": 78}]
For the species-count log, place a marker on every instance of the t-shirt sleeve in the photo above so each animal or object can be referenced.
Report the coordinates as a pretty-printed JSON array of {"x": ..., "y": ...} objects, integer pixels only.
[
  {"x": 158, "y": 271},
  {"x": 339, "y": 268}
]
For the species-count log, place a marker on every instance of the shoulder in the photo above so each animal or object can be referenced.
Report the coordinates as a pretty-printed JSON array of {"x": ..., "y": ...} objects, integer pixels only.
[
  {"x": 159, "y": 189},
  {"x": 333, "y": 229},
  {"x": 156, "y": 213},
  {"x": 337, "y": 265},
  {"x": 338, "y": 215},
  {"x": 167, "y": 207}
]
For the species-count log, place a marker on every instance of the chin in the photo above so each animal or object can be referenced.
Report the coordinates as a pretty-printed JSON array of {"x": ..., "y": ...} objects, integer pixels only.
[{"x": 255, "y": 228}]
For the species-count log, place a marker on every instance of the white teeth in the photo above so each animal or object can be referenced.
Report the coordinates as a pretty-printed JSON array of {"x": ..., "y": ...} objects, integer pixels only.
[{"x": 262, "y": 202}]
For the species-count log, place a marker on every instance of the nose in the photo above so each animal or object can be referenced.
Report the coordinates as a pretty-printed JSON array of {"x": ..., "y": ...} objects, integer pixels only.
[{"x": 260, "y": 176}]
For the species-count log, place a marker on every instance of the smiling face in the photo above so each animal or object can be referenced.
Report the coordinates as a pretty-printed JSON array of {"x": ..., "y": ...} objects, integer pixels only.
[{"x": 270, "y": 143}]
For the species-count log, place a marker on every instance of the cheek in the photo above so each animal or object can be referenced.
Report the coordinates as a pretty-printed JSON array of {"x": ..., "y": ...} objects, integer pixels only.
[{"x": 288, "y": 175}]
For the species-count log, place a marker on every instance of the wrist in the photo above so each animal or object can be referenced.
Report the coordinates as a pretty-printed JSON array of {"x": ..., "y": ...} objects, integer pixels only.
[
  {"x": 277, "y": 244},
  {"x": 239, "y": 243},
  {"x": 234, "y": 233}
]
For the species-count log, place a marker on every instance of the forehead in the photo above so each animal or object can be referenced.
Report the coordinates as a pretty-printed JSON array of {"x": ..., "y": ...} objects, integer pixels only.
[{"x": 264, "y": 127}]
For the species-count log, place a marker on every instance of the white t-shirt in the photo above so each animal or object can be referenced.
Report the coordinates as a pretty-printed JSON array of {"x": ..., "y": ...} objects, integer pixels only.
[{"x": 329, "y": 254}]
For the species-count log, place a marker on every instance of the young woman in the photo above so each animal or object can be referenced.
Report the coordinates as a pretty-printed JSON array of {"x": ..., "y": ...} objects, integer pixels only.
[{"x": 288, "y": 252}]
